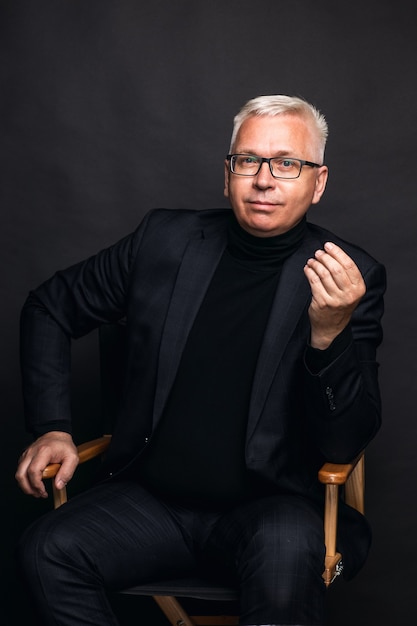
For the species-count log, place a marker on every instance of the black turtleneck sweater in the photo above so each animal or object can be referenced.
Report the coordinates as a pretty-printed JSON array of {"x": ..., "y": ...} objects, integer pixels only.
[{"x": 197, "y": 453}]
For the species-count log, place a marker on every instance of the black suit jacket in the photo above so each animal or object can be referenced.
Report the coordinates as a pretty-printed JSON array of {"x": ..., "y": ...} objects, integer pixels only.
[{"x": 156, "y": 279}]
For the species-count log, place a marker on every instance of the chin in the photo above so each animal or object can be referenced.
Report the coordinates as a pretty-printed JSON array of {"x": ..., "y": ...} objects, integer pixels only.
[
  {"x": 263, "y": 231},
  {"x": 265, "y": 228}
]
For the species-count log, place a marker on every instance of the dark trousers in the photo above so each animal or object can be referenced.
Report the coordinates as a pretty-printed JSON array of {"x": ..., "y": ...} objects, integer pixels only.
[{"x": 117, "y": 535}]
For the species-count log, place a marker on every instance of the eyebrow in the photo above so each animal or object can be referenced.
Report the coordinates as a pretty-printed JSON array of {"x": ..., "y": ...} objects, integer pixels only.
[{"x": 279, "y": 153}]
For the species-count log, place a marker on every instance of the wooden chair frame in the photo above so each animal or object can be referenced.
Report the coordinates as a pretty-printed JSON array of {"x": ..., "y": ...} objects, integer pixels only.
[{"x": 351, "y": 476}]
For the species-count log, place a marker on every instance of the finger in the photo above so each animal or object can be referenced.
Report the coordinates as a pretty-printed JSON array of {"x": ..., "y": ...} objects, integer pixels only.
[
  {"x": 65, "y": 473},
  {"x": 349, "y": 266},
  {"x": 29, "y": 481},
  {"x": 339, "y": 276},
  {"x": 321, "y": 278},
  {"x": 320, "y": 297},
  {"x": 312, "y": 275},
  {"x": 41, "y": 458},
  {"x": 34, "y": 477}
]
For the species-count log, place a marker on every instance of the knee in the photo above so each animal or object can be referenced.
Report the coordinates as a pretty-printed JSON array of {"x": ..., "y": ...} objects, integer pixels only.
[
  {"x": 42, "y": 545},
  {"x": 281, "y": 570},
  {"x": 290, "y": 534}
]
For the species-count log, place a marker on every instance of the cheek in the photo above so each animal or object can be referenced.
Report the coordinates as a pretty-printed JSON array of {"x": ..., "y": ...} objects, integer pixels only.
[
  {"x": 236, "y": 189},
  {"x": 303, "y": 197},
  {"x": 230, "y": 191}
]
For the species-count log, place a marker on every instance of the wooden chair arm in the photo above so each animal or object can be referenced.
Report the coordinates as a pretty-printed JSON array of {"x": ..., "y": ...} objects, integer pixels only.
[
  {"x": 338, "y": 473},
  {"x": 333, "y": 475},
  {"x": 86, "y": 451},
  {"x": 91, "y": 449},
  {"x": 352, "y": 475}
]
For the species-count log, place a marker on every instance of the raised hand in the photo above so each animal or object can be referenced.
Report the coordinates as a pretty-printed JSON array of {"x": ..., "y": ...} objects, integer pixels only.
[{"x": 337, "y": 287}]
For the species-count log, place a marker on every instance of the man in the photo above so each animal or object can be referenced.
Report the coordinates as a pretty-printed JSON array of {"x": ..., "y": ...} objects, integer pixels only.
[{"x": 252, "y": 339}]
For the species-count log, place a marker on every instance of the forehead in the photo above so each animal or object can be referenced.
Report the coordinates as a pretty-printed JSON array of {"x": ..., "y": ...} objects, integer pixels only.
[{"x": 267, "y": 135}]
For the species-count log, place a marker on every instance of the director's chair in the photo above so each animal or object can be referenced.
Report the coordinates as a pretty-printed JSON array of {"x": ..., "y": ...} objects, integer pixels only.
[{"x": 349, "y": 476}]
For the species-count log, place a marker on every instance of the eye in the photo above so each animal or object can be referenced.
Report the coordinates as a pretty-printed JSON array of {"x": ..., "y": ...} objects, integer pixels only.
[
  {"x": 249, "y": 160},
  {"x": 246, "y": 163},
  {"x": 287, "y": 163},
  {"x": 287, "y": 167}
]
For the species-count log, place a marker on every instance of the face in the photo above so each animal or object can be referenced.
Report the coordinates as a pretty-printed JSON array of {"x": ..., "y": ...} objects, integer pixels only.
[{"x": 263, "y": 205}]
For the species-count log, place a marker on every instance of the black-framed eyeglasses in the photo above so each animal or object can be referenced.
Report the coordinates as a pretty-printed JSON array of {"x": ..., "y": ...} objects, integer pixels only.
[{"x": 280, "y": 167}]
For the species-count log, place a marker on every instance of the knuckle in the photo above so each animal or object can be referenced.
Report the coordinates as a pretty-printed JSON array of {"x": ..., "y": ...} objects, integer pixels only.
[{"x": 31, "y": 472}]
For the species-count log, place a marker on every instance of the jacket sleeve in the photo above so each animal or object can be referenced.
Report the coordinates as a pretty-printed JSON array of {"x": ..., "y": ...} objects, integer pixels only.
[
  {"x": 343, "y": 404},
  {"x": 68, "y": 305}
]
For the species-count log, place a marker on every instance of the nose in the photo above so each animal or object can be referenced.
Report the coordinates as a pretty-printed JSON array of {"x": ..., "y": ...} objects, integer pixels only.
[{"x": 264, "y": 178}]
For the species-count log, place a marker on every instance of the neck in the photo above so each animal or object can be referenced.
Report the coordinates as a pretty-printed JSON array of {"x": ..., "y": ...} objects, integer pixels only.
[{"x": 268, "y": 252}]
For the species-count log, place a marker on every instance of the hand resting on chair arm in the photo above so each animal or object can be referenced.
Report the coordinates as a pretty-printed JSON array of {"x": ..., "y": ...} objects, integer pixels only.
[{"x": 53, "y": 447}]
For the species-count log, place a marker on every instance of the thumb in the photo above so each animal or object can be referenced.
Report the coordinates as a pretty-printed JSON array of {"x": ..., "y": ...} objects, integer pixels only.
[
  {"x": 60, "y": 483},
  {"x": 64, "y": 474}
]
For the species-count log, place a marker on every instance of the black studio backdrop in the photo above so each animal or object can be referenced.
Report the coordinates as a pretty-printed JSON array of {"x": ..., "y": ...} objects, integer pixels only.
[{"x": 110, "y": 108}]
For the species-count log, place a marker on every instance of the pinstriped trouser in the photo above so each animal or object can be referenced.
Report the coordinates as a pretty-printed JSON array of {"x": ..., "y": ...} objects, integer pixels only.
[{"x": 117, "y": 535}]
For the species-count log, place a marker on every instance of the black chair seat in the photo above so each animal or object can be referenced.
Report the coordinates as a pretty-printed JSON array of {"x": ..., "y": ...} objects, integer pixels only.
[{"x": 197, "y": 588}]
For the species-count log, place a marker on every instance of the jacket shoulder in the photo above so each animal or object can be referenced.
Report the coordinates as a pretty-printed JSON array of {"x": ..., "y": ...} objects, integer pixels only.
[
  {"x": 172, "y": 229},
  {"x": 361, "y": 257}
]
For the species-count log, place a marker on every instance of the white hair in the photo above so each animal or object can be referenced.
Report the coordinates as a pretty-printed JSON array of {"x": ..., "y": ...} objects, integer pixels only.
[{"x": 279, "y": 105}]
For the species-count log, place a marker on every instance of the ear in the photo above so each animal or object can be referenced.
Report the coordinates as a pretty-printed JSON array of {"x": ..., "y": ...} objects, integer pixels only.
[
  {"x": 226, "y": 178},
  {"x": 321, "y": 181}
]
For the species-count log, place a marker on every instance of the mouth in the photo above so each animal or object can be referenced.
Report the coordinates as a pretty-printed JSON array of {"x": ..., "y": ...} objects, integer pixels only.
[{"x": 262, "y": 205}]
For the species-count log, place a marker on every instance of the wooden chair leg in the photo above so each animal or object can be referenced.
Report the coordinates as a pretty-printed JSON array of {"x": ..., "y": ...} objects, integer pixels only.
[
  {"x": 355, "y": 487},
  {"x": 173, "y": 611},
  {"x": 177, "y": 615},
  {"x": 59, "y": 495},
  {"x": 333, "y": 558}
]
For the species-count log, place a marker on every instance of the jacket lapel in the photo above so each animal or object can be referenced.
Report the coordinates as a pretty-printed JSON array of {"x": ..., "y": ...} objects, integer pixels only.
[
  {"x": 195, "y": 273},
  {"x": 291, "y": 300}
]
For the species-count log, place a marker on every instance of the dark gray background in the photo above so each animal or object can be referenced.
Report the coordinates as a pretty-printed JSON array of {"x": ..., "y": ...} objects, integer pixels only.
[{"x": 110, "y": 108}]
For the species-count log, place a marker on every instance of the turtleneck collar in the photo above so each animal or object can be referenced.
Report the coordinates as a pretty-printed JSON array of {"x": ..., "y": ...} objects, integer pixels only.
[{"x": 263, "y": 253}]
